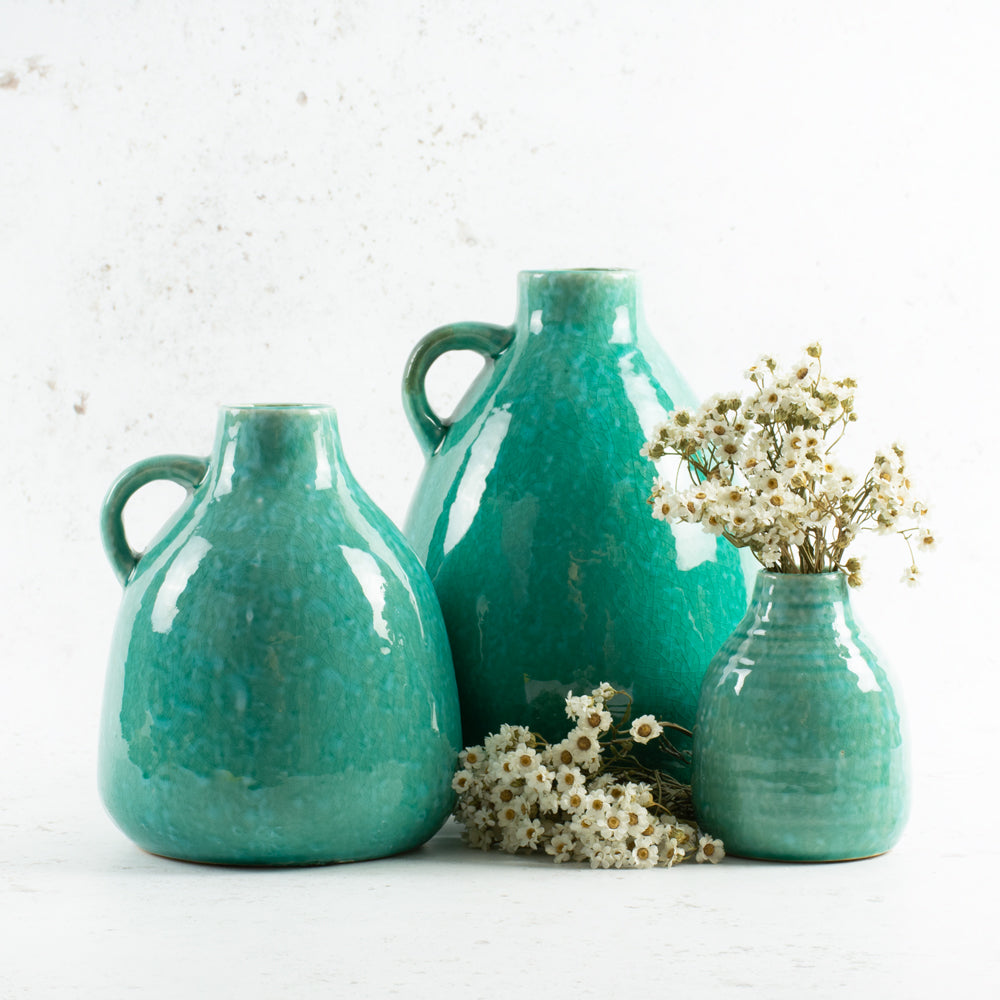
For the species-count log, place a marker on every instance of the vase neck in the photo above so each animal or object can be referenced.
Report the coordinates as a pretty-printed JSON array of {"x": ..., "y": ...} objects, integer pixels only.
[
  {"x": 285, "y": 446},
  {"x": 790, "y": 597},
  {"x": 593, "y": 306}
]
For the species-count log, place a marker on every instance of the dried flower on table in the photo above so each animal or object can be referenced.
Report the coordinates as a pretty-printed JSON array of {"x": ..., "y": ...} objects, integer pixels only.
[{"x": 585, "y": 798}]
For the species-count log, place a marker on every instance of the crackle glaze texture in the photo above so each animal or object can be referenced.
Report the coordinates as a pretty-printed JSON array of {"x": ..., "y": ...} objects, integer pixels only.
[
  {"x": 533, "y": 521},
  {"x": 799, "y": 748},
  {"x": 280, "y": 688}
]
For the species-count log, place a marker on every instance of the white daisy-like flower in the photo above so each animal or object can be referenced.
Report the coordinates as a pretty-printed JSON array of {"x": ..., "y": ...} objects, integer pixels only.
[
  {"x": 596, "y": 805},
  {"x": 507, "y": 739},
  {"x": 464, "y": 781},
  {"x": 666, "y": 508},
  {"x": 596, "y": 720},
  {"x": 645, "y": 728},
  {"x": 603, "y": 692},
  {"x": 559, "y": 755},
  {"x": 608, "y": 854},
  {"x": 573, "y": 802},
  {"x": 501, "y": 796},
  {"x": 548, "y": 802},
  {"x": 637, "y": 818},
  {"x": 684, "y": 833},
  {"x": 560, "y": 843},
  {"x": 762, "y": 367},
  {"x": 529, "y": 833},
  {"x": 568, "y": 779},
  {"x": 511, "y": 813},
  {"x": 578, "y": 705},
  {"x": 501, "y": 772},
  {"x": 522, "y": 759},
  {"x": 612, "y": 824},
  {"x": 911, "y": 576},
  {"x": 645, "y": 855},
  {"x": 585, "y": 748},
  {"x": 472, "y": 757},
  {"x": 538, "y": 779},
  {"x": 709, "y": 849},
  {"x": 926, "y": 541},
  {"x": 670, "y": 853}
]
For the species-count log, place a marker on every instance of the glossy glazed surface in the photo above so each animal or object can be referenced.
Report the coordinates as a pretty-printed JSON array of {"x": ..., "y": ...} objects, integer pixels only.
[
  {"x": 280, "y": 688},
  {"x": 532, "y": 515},
  {"x": 799, "y": 747}
]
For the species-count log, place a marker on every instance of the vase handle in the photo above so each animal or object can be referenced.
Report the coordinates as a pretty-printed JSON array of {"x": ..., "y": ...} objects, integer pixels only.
[
  {"x": 186, "y": 470},
  {"x": 485, "y": 339}
]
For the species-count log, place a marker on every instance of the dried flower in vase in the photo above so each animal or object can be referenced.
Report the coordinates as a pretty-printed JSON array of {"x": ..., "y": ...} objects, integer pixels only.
[{"x": 762, "y": 475}]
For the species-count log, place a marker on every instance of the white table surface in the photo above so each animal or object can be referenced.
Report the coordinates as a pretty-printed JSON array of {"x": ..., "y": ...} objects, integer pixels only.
[{"x": 86, "y": 914}]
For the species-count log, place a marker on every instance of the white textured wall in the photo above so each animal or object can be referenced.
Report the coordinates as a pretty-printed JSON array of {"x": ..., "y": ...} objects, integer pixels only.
[{"x": 242, "y": 201}]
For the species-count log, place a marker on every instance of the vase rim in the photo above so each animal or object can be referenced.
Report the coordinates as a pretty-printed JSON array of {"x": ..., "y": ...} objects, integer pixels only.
[
  {"x": 800, "y": 576},
  {"x": 272, "y": 407},
  {"x": 614, "y": 272}
]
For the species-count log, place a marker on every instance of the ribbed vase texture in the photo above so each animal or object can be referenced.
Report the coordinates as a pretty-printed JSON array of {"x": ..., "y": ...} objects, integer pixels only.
[{"x": 799, "y": 751}]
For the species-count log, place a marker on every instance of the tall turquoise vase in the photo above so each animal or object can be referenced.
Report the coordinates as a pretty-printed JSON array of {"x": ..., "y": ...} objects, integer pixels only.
[
  {"x": 280, "y": 688},
  {"x": 799, "y": 751},
  {"x": 532, "y": 513}
]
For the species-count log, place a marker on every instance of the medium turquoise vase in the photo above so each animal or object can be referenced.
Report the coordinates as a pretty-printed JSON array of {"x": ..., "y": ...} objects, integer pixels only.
[
  {"x": 280, "y": 688},
  {"x": 533, "y": 520},
  {"x": 799, "y": 750}
]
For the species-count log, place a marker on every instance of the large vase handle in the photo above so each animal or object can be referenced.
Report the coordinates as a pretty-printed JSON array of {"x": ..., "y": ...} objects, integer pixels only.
[
  {"x": 186, "y": 470},
  {"x": 484, "y": 338}
]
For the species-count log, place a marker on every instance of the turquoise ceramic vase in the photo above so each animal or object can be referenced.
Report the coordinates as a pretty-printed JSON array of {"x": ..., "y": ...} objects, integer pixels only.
[
  {"x": 280, "y": 688},
  {"x": 799, "y": 753},
  {"x": 533, "y": 520}
]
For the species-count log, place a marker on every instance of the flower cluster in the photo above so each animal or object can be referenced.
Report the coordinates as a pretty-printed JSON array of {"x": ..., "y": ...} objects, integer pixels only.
[
  {"x": 762, "y": 475},
  {"x": 576, "y": 799}
]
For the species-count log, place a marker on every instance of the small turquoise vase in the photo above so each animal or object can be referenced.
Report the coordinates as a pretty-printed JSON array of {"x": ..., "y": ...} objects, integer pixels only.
[
  {"x": 280, "y": 688},
  {"x": 799, "y": 749},
  {"x": 533, "y": 521}
]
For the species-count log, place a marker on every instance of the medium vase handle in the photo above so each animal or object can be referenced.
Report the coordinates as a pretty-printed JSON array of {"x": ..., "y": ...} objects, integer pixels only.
[
  {"x": 186, "y": 470},
  {"x": 484, "y": 338}
]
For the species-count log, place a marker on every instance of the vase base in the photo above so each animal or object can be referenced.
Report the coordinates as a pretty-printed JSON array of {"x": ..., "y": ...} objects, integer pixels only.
[
  {"x": 806, "y": 861},
  {"x": 274, "y": 864}
]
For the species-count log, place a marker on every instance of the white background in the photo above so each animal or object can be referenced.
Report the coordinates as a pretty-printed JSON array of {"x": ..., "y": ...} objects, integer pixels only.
[{"x": 206, "y": 203}]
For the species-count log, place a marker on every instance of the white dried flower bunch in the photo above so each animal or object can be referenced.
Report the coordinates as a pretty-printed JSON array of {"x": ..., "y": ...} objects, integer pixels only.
[
  {"x": 762, "y": 475},
  {"x": 576, "y": 799}
]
